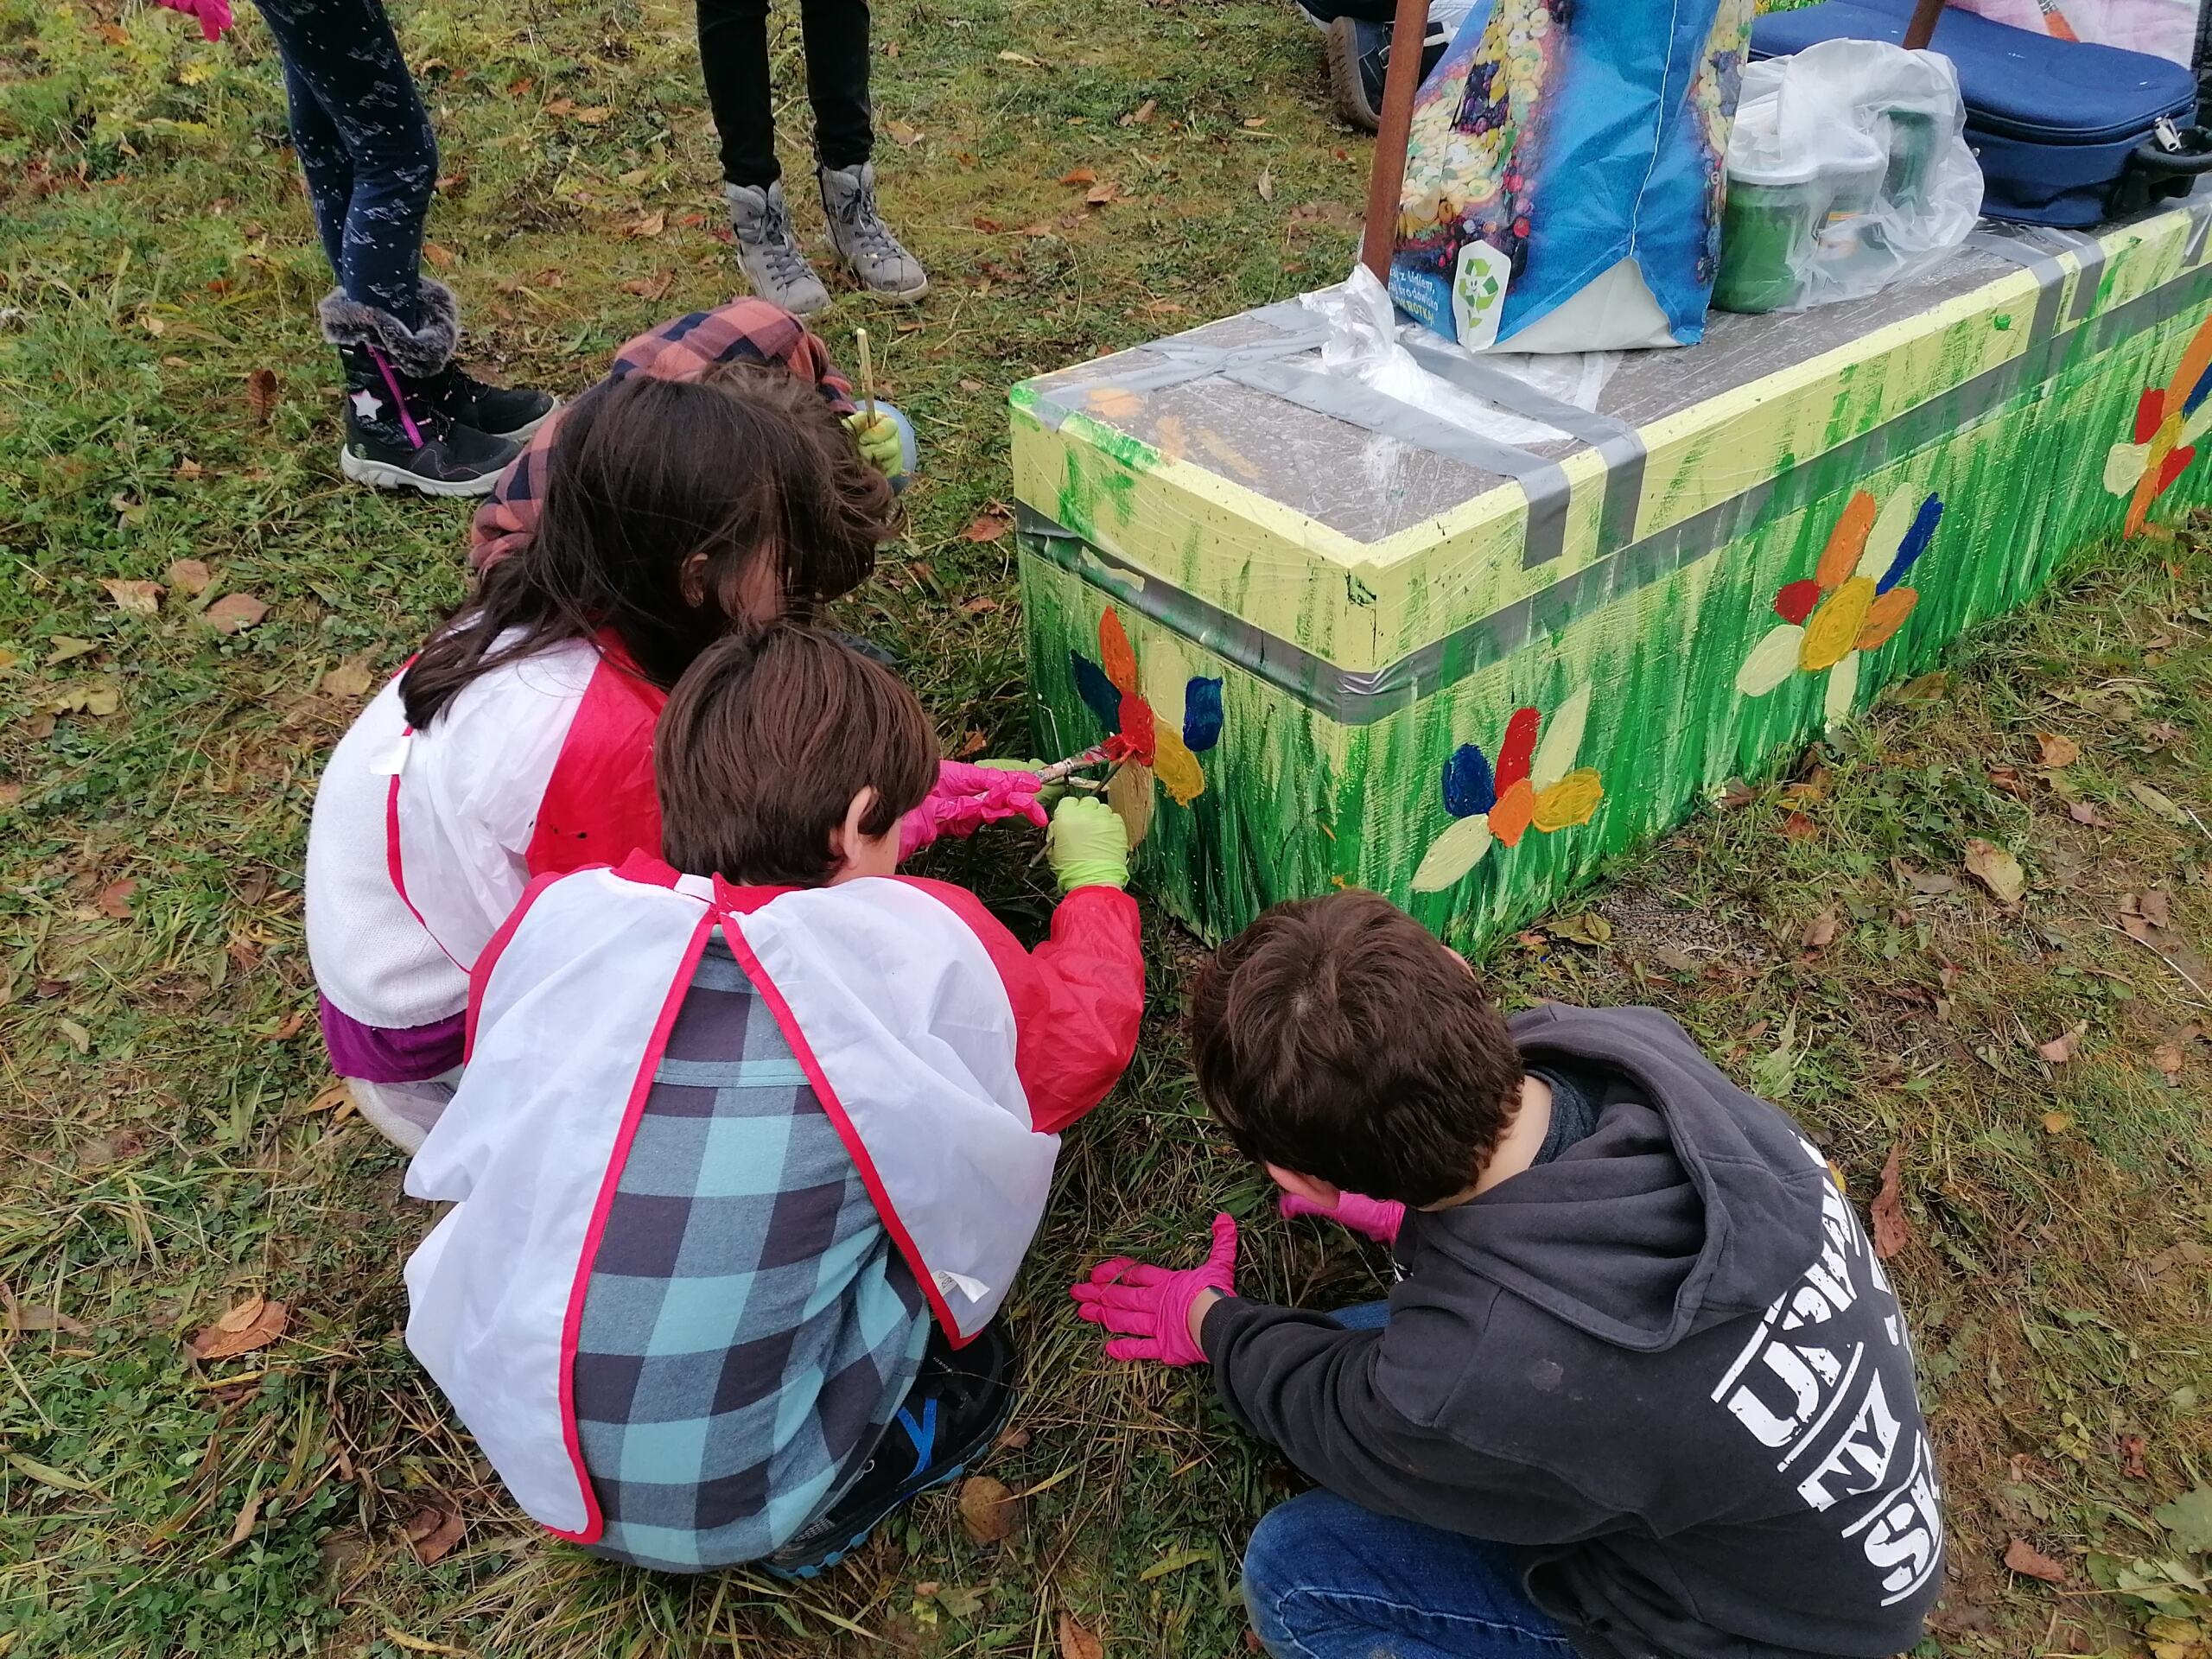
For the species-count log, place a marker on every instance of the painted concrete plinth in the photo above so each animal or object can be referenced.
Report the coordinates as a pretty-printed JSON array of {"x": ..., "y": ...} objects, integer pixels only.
[{"x": 1358, "y": 646}]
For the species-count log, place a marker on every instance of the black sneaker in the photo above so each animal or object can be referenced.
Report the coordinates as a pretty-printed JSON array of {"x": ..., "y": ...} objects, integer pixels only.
[
  {"x": 956, "y": 1408},
  {"x": 1359, "y": 59},
  {"x": 396, "y": 440},
  {"x": 497, "y": 411}
]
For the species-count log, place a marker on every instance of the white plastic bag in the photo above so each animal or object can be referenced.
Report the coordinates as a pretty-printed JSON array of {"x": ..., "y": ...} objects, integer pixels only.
[{"x": 1848, "y": 170}]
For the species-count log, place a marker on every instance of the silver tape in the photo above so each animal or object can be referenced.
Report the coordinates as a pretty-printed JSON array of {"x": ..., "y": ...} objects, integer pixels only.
[{"x": 2009, "y": 242}]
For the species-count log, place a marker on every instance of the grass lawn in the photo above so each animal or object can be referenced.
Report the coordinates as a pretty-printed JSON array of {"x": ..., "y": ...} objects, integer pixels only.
[{"x": 166, "y": 1149}]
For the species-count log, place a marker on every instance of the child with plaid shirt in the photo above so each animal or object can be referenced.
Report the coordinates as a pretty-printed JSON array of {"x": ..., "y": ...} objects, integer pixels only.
[{"x": 746, "y": 1159}]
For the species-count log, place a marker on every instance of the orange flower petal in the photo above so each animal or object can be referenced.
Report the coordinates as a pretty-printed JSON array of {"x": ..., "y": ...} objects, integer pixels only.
[
  {"x": 1511, "y": 817},
  {"x": 1885, "y": 616},
  {"x": 1115, "y": 654},
  {"x": 1846, "y": 542}
]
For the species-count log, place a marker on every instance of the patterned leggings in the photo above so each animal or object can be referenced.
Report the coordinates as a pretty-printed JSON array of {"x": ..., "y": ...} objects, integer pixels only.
[{"x": 365, "y": 144}]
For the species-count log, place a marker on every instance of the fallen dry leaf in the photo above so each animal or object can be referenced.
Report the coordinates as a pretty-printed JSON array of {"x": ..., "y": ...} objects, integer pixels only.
[
  {"x": 432, "y": 1531},
  {"x": 981, "y": 605},
  {"x": 254, "y": 1323},
  {"x": 1892, "y": 1232},
  {"x": 441, "y": 257},
  {"x": 235, "y": 613},
  {"x": 137, "y": 598},
  {"x": 1079, "y": 176},
  {"x": 1590, "y": 929},
  {"x": 972, "y": 745},
  {"x": 1821, "y": 932},
  {"x": 1797, "y": 827},
  {"x": 2083, "y": 812},
  {"x": 1019, "y": 57},
  {"x": 249, "y": 1512},
  {"x": 649, "y": 225},
  {"x": 79, "y": 1038},
  {"x": 2057, "y": 1123},
  {"x": 1076, "y": 1642},
  {"x": 2158, "y": 803},
  {"x": 902, "y": 134},
  {"x": 190, "y": 577},
  {"x": 2056, "y": 751},
  {"x": 2158, "y": 907},
  {"x": 30, "y": 1316},
  {"x": 2130, "y": 1457},
  {"x": 985, "y": 528},
  {"x": 593, "y": 116},
  {"x": 1734, "y": 795},
  {"x": 114, "y": 900},
  {"x": 1011, "y": 1439},
  {"x": 2030, "y": 1562},
  {"x": 1265, "y": 184},
  {"x": 1996, "y": 869},
  {"x": 1141, "y": 114},
  {"x": 350, "y": 679},
  {"x": 2060, "y": 1049},
  {"x": 1100, "y": 195},
  {"x": 67, "y": 648},
  {"x": 260, "y": 396},
  {"x": 989, "y": 1510},
  {"x": 2168, "y": 1058}
]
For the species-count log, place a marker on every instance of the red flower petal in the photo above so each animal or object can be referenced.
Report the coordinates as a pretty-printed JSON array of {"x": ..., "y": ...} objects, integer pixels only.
[
  {"x": 1795, "y": 601},
  {"x": 1137, "y": 733},
  {"x": 1519, "y": 749},
  {"x": 2148, "y": 409},
  {"x": 2172, "y": 468}
]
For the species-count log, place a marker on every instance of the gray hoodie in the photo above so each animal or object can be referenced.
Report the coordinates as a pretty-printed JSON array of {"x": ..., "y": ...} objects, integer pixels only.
[{"x": 1666, "y": 1366}]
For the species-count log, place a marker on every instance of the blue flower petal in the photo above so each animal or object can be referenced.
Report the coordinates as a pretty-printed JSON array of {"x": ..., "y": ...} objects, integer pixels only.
[
  {"x": 1097, "y": 691},
  {"x": 1469, "y": 787},
  {"x": 1201, "y": 715},
  {"x": 2197, "y": 391},
  {"x": 1914, "y": 544}
]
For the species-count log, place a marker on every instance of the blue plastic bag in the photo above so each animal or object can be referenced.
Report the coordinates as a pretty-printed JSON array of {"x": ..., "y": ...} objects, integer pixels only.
[{"x": 1565, "y": 175}]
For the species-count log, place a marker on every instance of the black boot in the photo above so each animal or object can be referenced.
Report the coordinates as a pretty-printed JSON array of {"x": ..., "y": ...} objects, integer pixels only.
[
  {"x": 396, "y": 437},
  {"x": 500, "y": 411},
  {"x": 395, "y": 440}
]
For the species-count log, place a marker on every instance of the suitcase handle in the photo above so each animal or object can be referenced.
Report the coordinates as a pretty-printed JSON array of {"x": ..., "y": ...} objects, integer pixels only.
[{"x": 2156, "y": 174}]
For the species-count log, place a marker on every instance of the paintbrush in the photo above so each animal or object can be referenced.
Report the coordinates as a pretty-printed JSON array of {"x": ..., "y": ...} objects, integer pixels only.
[
  {"x": 868, "y": 375},
  {"x": 1059, "y": 771}
]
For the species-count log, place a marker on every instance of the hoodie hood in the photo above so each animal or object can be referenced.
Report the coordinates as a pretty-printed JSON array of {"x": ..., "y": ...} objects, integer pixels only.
[{"x": 1664, "y": 1221}]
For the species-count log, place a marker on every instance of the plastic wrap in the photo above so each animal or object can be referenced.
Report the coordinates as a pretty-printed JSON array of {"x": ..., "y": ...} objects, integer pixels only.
[{"x": 1848, "y": 170}]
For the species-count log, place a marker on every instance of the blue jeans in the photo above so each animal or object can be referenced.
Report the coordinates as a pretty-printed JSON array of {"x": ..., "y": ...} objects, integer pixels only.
[
  {"x": 1324, "y": 1578},
  {"x": 365, "y": 144}
]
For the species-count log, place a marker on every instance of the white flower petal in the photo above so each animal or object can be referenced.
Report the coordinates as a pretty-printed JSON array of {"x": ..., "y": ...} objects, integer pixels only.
[
  {"x": 1843, "y": 689},
  {"x": 1452, "y": 854},
  {"x": 1773, "y": 661},
  {"x": 1562, "y": 741}
]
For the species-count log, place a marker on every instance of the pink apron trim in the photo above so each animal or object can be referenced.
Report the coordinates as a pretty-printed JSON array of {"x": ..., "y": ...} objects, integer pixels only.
[{"x": 601, "y": 804}]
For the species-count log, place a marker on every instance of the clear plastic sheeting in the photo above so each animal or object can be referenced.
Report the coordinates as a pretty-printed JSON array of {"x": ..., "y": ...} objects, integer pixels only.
[
  {"x": 1363, "y": 345},
  {"x": 1848, "y": 171}
]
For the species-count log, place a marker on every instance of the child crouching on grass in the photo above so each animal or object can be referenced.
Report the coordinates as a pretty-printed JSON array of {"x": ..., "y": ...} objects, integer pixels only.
[
  {"x": 745, "y": 1158},
  {"x": 517, "y": 742},
  {"x": 1642, "y": 1390}
]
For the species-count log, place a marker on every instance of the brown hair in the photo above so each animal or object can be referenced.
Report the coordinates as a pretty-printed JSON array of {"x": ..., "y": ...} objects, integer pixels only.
[
  {"x": 767, "y": 739},
  {"x": 1335, "y": 1037},
  {"x": 746, "y": 465}
]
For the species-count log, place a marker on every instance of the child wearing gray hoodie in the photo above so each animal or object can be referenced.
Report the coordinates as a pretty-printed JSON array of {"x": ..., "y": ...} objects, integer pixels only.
[{"x": 1641, "y": 1391}]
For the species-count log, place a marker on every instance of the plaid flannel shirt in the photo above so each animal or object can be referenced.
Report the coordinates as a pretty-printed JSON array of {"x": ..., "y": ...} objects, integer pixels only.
[
  {"x": 745, "y": 330},
  {"x": 749, "y": 1330}
]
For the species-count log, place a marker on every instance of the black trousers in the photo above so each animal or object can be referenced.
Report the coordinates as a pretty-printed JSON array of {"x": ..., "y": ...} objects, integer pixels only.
[{"x": 734, "y": 53}]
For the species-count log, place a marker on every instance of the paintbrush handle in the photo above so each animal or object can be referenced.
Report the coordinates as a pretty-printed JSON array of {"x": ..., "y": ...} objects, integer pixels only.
[{"x": 1060, "y": 770}]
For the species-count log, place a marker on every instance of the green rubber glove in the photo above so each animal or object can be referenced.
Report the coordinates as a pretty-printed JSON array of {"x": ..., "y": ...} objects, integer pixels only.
[
  {"x": 1049, "y": 796},
  {"x": 877, "y": 437},
  {"x": 1087, "y": 844}
]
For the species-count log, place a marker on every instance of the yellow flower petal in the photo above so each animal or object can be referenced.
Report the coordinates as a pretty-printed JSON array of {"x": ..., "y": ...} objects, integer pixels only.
[
  {"x": 1179, "y": 773},
  {"x": 1834, "y": 629},
  {"x": 1572, "y": 800}
]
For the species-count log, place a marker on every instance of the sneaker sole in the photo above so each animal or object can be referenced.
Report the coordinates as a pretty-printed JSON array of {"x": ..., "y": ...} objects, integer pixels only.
[
  {"x": 815, "y": 1569},
  {"x": 1344, "y": 97},
  {"x": 385, "y": 475}
]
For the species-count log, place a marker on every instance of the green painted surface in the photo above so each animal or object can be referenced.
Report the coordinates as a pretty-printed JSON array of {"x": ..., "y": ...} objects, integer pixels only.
[{"x": 1295, "y": 802}]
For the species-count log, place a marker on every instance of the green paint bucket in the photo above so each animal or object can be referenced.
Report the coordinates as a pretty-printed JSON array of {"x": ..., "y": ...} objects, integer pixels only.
[{"x": 1766, "y": 235}]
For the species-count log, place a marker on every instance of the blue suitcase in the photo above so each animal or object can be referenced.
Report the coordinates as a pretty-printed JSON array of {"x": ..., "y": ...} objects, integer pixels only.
[{"x": 2068, "y": 133}]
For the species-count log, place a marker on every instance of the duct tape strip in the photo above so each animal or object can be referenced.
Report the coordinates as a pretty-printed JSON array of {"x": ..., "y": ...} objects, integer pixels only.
[
  {"x": 1617, "y": 444},
  {"x": 2009, "y": 242},
  {"x": 1359, "y": 697},
  {"x": 2200, "y": 217},
  {"x": 1544, "y": 483},
  {"x": 2088, "y": 253}
]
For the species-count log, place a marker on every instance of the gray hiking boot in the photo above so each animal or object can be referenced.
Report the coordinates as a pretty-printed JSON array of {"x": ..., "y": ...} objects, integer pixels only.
[
  {"x": 768, "y": 251},
  {"x": 863, "y": 241}
]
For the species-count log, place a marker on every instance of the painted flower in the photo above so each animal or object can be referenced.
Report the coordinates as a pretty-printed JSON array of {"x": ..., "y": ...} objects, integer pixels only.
[
  {"x": 1534, "y": 785},
  {"x": 2167, "y": 426},
  {"x": 1853, "y": 601},
  {"x": 1142, "y": 747}
]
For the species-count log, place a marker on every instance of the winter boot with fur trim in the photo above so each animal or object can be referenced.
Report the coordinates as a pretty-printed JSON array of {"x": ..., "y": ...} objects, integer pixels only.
[{"x": 407, "y": 405}]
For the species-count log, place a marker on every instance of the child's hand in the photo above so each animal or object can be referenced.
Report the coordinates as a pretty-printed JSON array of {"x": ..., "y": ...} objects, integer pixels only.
[
  {"x": 1377, "y": 1219},
  {"x": 964, "y": 799},
  {"x": 1087, "y": 844},
  {"x": 1149, "y": 1308},
  {"x": 213, "y": 15},
  {"x": 877, "y": 437}
]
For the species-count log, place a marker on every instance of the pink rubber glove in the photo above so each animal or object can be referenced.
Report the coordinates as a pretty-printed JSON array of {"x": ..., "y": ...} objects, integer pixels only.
[
  {"x": 1377, "y": 1219},
  {"x": 967, "y": 797},
  {"x": 1148, "y": 1309},
  {"x": 213, "y": 15}
]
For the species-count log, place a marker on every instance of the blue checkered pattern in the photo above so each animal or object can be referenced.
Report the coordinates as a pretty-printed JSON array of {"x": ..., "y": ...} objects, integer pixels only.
[{"x": 749, "y": 1329}]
